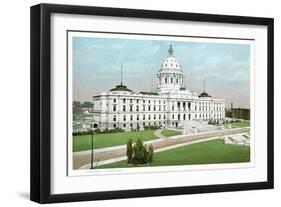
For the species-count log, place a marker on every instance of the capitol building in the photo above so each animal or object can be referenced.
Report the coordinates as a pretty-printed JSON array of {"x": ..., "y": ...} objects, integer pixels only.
[{"x": 171, "y": 106}]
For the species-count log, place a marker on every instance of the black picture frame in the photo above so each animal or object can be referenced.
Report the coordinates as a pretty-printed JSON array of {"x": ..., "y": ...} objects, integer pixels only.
[{"x": 41, "y": 102}]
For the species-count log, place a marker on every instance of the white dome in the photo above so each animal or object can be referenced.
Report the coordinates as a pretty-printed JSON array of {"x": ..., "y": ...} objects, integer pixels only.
[
  {"x": 171, "y": 63},
  {"x": 170, "y": 76}
]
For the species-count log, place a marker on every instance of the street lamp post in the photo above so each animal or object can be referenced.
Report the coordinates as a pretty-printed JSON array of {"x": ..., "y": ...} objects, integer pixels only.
[{"x": 92, "y": 147}]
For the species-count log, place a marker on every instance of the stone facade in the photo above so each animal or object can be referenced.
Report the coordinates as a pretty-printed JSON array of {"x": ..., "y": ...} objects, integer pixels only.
[{"x": 170, "y": 106}]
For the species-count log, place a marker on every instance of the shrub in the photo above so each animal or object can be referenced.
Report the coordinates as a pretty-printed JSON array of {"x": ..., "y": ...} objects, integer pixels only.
[
  {"x": 129, "y": 150},
  {"x": 98, "y": 131},
  {"x": 153, "y": 127},
  {"x": 150, "y": 153},
  {"x": 138, "y": 153},
  {"x": 209, "y": 122}
]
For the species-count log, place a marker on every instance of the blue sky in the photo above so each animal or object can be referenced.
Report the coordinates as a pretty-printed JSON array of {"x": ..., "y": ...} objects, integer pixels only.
[{"x": 97, "y": 63}]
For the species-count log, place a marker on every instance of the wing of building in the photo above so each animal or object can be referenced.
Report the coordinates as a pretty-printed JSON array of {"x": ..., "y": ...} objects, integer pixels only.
[{"x": 171, "y": 106}]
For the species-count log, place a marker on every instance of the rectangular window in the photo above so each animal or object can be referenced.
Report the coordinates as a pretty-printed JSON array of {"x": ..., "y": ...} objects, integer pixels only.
[
  {"x": 124, "y": 100},
  {"x": 131, "y": 107},
  {"x": 114, "y": 107},
  {"x": 124, "y": 107}
]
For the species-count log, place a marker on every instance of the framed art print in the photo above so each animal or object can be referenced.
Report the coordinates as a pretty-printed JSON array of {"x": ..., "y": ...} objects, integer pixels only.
[{"x": 132, "y": 103}]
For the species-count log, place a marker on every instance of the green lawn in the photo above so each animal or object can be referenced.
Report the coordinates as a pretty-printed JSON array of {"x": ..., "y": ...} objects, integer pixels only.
[
  {"x": 83, "y": 142},
  {"x": 209, "y": 152},
  {"x": 170, "y": 133},
  {"x": 243, "y": 123}
]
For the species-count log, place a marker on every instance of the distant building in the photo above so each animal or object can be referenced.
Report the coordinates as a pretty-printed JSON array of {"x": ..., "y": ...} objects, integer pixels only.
[
  {"x": 238, "y": 113},
  {"x": 170, "y": 106}
]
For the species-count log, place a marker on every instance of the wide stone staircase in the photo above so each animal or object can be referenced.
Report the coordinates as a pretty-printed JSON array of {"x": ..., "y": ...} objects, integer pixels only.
[{"x": 193, "y": 126}]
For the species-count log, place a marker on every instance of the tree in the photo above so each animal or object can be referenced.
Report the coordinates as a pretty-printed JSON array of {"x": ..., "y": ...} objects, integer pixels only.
[
  {"x": 76, "y": 104},
  {"x": 87, "y": 104},
  {"x": 129, "y": 150},
  {"x": 139, "y": 153},
  {"x": 150, "y": 153}
]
